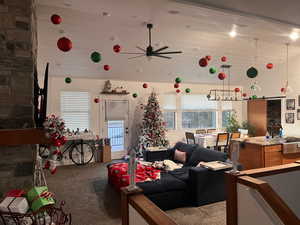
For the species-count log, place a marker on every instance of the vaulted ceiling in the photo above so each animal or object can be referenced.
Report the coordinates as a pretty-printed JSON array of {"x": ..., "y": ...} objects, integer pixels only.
[{"x": 197, "y": 28}]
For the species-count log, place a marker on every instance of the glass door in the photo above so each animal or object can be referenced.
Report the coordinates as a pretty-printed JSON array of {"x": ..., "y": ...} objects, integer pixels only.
[{"x": 116, "y": 126}]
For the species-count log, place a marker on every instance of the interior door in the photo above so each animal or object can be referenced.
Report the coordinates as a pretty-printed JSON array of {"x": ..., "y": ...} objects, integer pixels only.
[
  {"x": 116, "y": 126},
  {"x": 257, "y": 116}
]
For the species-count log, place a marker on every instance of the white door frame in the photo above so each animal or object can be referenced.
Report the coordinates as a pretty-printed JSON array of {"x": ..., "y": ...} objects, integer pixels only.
[{"x": 104, "y": 127}]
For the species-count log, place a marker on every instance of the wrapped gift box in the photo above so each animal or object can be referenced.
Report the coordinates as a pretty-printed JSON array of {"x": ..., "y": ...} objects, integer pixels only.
[
  {"x": 14, "y": 205},
  {"x": 36, "y": 198},
  {"x": 16, "y": 193},
  {"x": 20, "y": 221}
]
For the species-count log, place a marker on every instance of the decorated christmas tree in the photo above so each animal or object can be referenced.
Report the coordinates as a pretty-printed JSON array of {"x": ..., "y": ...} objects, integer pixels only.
[{"x": 153, "y": 130}]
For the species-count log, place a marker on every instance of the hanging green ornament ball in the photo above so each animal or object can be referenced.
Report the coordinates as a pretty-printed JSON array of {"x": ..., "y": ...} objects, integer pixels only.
[
  {"x": 252, "y": 72},
  {"x": 188, "y": 90},
  {"x": 178, "y": 80},
  {"x": 254, "y": 96},
  {"x": 96, "y": 57},
  {"x": 68, "y": 80},
  {"x": 212, "y": 70},
  {"x": 134, "y": 95}
]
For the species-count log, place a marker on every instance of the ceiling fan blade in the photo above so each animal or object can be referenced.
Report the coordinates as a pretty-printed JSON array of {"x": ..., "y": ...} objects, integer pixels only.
[
  {"x": 132, "y": 53},
  {"x": 174, "y": 52},
  {"x": 166, "y": 57},
  {"x": 160, "y": 49},
  {"x": 136, "y": 56},
  {"x": 140, "y": 48}
]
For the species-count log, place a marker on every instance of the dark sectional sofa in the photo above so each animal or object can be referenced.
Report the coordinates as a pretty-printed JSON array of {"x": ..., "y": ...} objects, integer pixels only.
[{"x": 189, "y": 185}]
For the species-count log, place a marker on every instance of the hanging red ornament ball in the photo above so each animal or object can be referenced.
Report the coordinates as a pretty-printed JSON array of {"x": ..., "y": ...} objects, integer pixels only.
[
  {"x": 244, "y": 95},
  {"x": 106, "y": 67},
  {"x": 223, "y": 58},
  {"x": 145, "y": 85},
  {"x": 203, "y": 62},
  {"x": 282, "y": 90},
  {"x": 221, "y": 76},
  {"x": 96, "y": 100},
  {"x": 117, "y": 48},
  {"x": 64, "y": 44},
  {"x": 177, "y": 91},
  {"x": 176, "y": 85},
  {"x": 63, "y": 140},
  {"x": 236, "y": 90},
  {"x": 208, "y": 57},
  {"x": 56, "y": 19},
  {"x": 269, "y": 66},
  {"x": 57, "y": 143}
]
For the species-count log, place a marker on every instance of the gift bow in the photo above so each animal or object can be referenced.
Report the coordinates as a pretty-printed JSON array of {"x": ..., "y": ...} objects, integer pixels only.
[{"x": 44, "y": 194}]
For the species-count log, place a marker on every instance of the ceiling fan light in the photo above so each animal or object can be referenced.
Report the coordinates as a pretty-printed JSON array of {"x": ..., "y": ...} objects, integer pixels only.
[{"x": 232, "y": 33}]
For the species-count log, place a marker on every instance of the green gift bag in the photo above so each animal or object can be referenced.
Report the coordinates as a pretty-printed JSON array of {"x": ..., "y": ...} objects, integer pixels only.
[{"x": 38, "y": 198}]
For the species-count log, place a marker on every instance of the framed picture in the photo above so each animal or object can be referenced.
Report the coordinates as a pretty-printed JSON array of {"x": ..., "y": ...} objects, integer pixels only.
[
  {"x": 298, "y": 100},
  {"x": 298, "y": 114},
  {"x": 290, "y": 104},
  {"x": 290, "y": 118}
]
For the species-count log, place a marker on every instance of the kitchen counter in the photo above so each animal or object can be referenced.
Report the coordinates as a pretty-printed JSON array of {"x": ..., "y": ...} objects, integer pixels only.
[
  {"x": 257, "y": 152},
  {"x": 259, "y": 141}
]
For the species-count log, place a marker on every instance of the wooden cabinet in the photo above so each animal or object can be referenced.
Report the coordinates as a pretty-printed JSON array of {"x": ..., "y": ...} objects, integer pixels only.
[
  {"x": 257, "y": 116},
  {"x": 273, "y": 155}
]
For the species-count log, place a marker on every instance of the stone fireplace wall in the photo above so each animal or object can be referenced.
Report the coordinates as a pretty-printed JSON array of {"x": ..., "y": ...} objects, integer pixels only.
[{"x": 18, "y": 52}]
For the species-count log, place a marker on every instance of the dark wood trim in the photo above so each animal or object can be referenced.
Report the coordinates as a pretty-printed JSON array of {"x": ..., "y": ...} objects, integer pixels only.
[
  {"x": 282, "y": 210},
  {"x": 23, "y": 137},
  {"x": 231, "y": 201},
  {"x": 149, "y": 211},
  {"x": 125, "y": 203},
  {"x": 268, "y": 171}
]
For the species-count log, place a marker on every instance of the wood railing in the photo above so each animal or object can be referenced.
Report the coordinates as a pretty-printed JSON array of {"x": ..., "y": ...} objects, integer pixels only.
[
  {"x": 23, "y": 136},
  {"x": 250, "y": 178},
  {"x": 146, "y": 209}
]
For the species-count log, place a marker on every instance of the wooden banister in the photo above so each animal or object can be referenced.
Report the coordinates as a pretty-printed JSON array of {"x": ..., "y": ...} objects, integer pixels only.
[
  {"x": 23, "y": 136},
  {"x": 282, "y": 210},
  {"x": 149, "y": 211},
  {"x": 144, "y": 207}
]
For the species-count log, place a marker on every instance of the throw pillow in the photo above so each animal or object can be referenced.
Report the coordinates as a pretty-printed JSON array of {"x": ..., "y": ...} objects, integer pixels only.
[
  {"x": 180, "y": 156},
  {"x": 183, "y": 147}
]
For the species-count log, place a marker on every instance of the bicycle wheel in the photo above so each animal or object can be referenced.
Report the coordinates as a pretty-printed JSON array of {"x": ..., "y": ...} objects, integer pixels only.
[{"x": 82, "y": 153}]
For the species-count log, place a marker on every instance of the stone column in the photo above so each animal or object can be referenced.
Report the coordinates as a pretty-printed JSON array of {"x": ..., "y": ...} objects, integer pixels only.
[{"x": 18, "y": 44}]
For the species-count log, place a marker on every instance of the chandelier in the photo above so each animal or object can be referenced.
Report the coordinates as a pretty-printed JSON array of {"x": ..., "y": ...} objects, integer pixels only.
[{"x": 225, "y": 93}]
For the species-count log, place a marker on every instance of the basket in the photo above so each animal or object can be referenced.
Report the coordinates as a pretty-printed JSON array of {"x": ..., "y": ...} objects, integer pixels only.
[{"x": 50, "y": 215}]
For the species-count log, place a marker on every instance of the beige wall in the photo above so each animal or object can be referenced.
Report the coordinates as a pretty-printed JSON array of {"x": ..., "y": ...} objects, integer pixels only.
[
  {"x": 94, "y": 86},
  {"x": 271, "y": 81}
]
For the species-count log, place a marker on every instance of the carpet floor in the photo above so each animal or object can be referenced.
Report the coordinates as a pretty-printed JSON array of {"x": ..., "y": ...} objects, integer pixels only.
[{"x": 93, "y": 202}]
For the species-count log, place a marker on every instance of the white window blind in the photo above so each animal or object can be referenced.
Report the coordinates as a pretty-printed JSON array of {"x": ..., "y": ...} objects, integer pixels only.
[
  {"x": 169, "y": 102},
  {"x": 75, "y": 109},
  {"x": 116, "y": 109},
  {"x": 227, "y": 105},
  {"x": 197, "y": 102}
]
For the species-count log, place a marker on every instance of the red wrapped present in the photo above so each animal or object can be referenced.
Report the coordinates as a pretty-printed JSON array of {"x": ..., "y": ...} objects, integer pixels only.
[{"x": 15, "y": 193}]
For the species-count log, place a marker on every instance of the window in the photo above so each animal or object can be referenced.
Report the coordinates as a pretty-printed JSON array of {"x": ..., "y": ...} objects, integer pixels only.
[
  {"x": 169, "y": 111},
  {"x": 198, "y": 112},
  {"x": 225, "y": 117},
  {"x": 75, "y": 109},
  {"x": 198, "y": 120},
  {"x": 169, "y": 118},
  {"x": 226, "y": 112}
]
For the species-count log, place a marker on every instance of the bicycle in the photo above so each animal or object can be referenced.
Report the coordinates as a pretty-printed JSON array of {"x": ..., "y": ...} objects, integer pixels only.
[{"x": 81, "y": 152}]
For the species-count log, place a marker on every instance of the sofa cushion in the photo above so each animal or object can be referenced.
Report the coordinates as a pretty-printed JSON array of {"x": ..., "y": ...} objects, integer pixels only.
[
  {"x": 183, "y": 147},
  {"x": 181, "y": 174},
  {"x": 167, "y": 182},
  {"x": 180, "y": 156},
  {"x": 205, "y": 155}
]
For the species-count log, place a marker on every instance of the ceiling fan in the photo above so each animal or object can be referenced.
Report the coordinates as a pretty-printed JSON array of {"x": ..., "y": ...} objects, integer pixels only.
[{"x": 149, "y": 51}]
